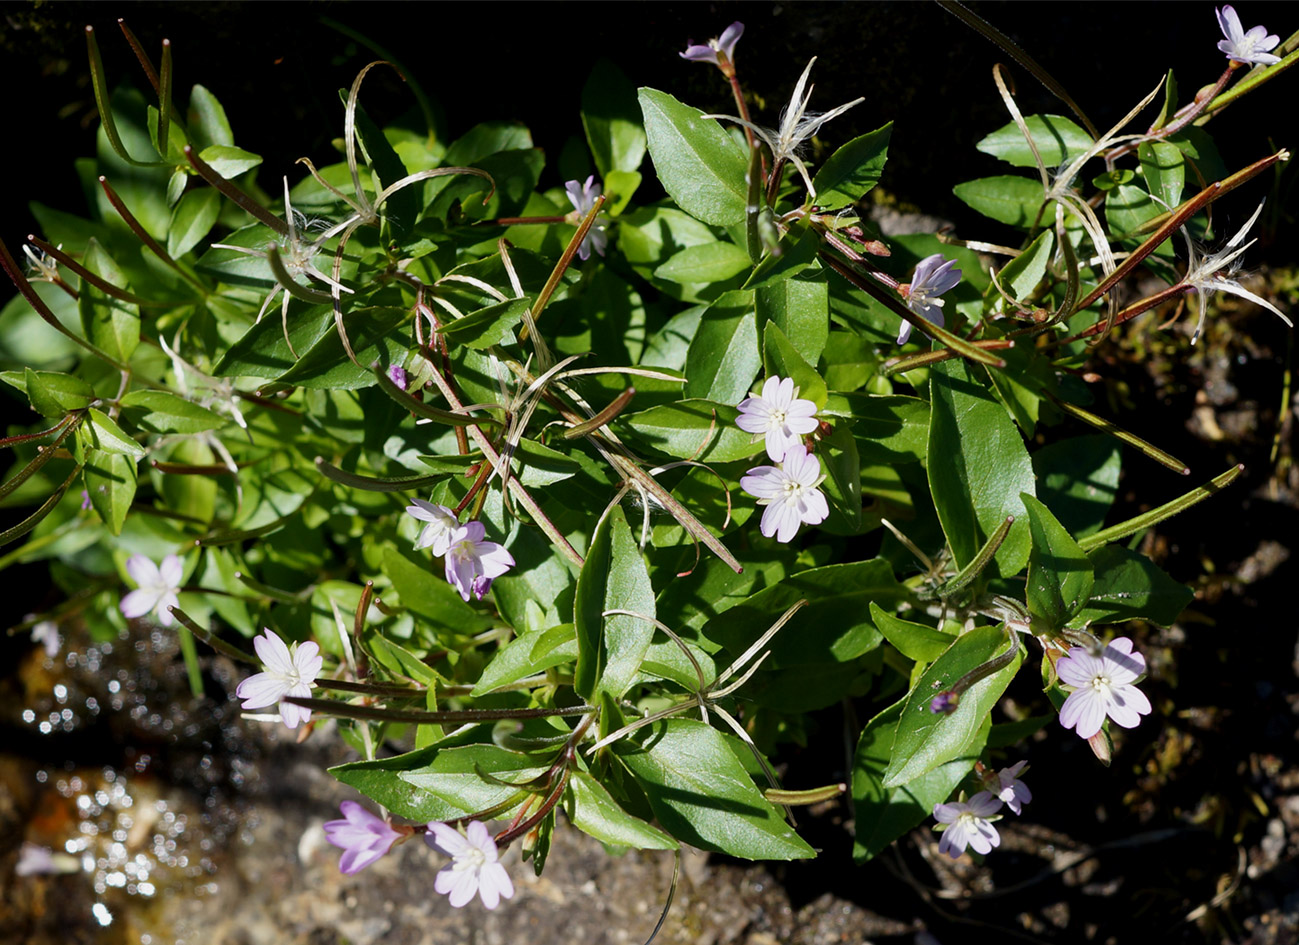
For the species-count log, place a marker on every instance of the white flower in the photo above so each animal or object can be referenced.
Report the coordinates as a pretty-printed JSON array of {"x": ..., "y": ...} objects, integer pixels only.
[
  {"x": 472, "y": 564},
  {"x": 1251, "y": 47},
  {"x": 442, "y": 522},
  {"x": 934, "y": 275},
  {"x": 46, "y": 633},
  {"x": 1202, "y": 274},
  {"x": 156, "y": 589},
  {"x": 1012, "y": 790},
  {"x": 289, "y": 672},
  {"x": 796, "y": 126},
  {"x": 780, "y": 414},
  {"x": 1102, "y": 685},
  {"x": 790, "y": 493},
  {"x": 582, "y": 197},
  {"x": 474, "y": 868},
  {"x": 968, "y": 825}
]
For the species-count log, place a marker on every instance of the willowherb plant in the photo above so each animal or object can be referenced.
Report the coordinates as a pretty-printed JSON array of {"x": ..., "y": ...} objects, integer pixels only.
[{"x": 456, "y": 375}]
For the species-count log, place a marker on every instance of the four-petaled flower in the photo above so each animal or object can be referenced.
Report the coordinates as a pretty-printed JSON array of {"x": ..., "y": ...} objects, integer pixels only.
[
  {"x": 582, "y": 197},
  {"x": 1202, "y": 274},
  {"x": 363, "y": 836},
  {"x": 1012, "y": 790},
  {"x": 934, "y": 275},
  {"x": 474, "y": 867},
  {"x": 1251, "y": 47},
  {"x": 720, "y": 51},
  {"x": 472, "y": 564},
  {"x": 1102, "y": 685},
  {"x": 968, "y": 825},
  {"x": 156, "y": 589},
  {"x": 780, "y": 414},
  {"x": 790, "y": 493},
  {"x": 289, "y": 672},
  {"x": 442, "y": 523}
]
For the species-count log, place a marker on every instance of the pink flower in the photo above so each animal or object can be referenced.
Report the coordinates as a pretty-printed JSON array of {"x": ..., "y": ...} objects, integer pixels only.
[
  {"x": 934, "y": 275},
  {"x": 1102, "y": 685},
  {"x": 472, "y": 564},
  {"x": 364, "y": 837},
  {"x": 289, "y": 672},
  {"x": 968, "y": 825},
  {"x": 790, "y": 493},
  {"x": 156, "y": 587},
  {"x": 779, "y": 414},
  {"x": 719, "y": 51},
  {"x": 1012, "y": 790},
  {"x": 474, "y": 867},
  {"x": 1251, "y": 47}
]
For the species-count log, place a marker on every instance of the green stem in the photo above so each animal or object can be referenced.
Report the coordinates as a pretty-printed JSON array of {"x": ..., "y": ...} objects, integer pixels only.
[{"x": 1155, "y": 516}]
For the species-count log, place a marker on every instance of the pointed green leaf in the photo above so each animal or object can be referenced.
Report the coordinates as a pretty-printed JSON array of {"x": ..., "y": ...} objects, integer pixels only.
[
  {"x": 978, "y": 467},
  {"x": 694, "y": 429},
  {"x": 853, "y": 170},
  {"x": 800, "y": 306},
  {"x": 1059, "y": 574},
  {"x": 110, "y": 324},
  {"x": 927, "y": 739},
  {"x": 51, "y": 394},
  {"x": 594, "y": 811},
  {"x": 610, "y": 649},
  {"x": 1021, "y": 275},
  {"x": 708, "y": 262},
  {"x": 612, "y": 120},
  {"x": 723, "y": 358},
  {"x": 1058, "y": 140},
  {"x": 1013, "y": 200},
  {"x": 192, "y": 219},
  {"x": 698, "y": 163},
  {"x": 166, "y": 413},
  {"x": 915, "y": 641},
  {"x": 1129, "y": 586},
  {"x": 110, "y": 482},
  {"x": 782, "y": 359},
  {"x": 108, "y": 436},
  {"x": 702, "y": 795}
]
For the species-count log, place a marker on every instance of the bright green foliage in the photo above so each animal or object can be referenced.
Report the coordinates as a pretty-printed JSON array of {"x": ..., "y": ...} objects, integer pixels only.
[{"x": 265, "y": 392}]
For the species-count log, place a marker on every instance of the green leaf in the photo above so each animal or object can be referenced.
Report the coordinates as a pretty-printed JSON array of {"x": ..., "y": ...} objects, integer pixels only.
[
  {"x": 430, "y": 596},
  {"x": 680, "y": 429},
  {"x": 1078, "y": 479},
  {"x": 594, "y": 811},
  {"x": 527, "y": 655},
  {"x": 838, "y": 454},
  {"x": 488, "y": 326},
  {"x": 402, "y": 208},
  {"x": 915, "y": 641},
  {"x": 207, "y": 120},
  {"x": 798, "y": 252},
  {"x": 699, "y": 164},
  {"x": 723, "y": 357},
  {"x": 229, "y": 161},
  {"x": 707, "y": 262},
  {"x": 800, "y": 307},
  {"x": 1021, "y": 275},
  {"x": 889, "y": 428},
  {"x": 884, "y": 814},
  {"x": 51, "y": 394},
  {"x": 610, "y": 649},
  {"x": 441, "y": 783},
  {"x": 1059, "y": 573},
  {"x": 1129, "y": 586},
  {"x": 783, "y": 359},
  {"x": 1165, "y": 170},
  {"x": 851, "y": 172},
  {"x": 108, "y": 436},
  {"x": 928, "y": 739},
  {"x": 1128, "y": 207},
  {"x": 1013, "y": 200},
  {"x": 263, "y": 352},
  {"x": 374, "y": 337},
  {"x": 612, "y": 120},
  {"x": 1058, "y": 140},
  {"x": 827, "y": 635},
  {"x": 110, "y": 482},
  {"x": 702, "y": 795},
  {"x": 978, "y": 467},
  {"x": 110, "y": 324},
  {"x": 167, "y": 413},
  {"x": 192, "y": 219}
]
